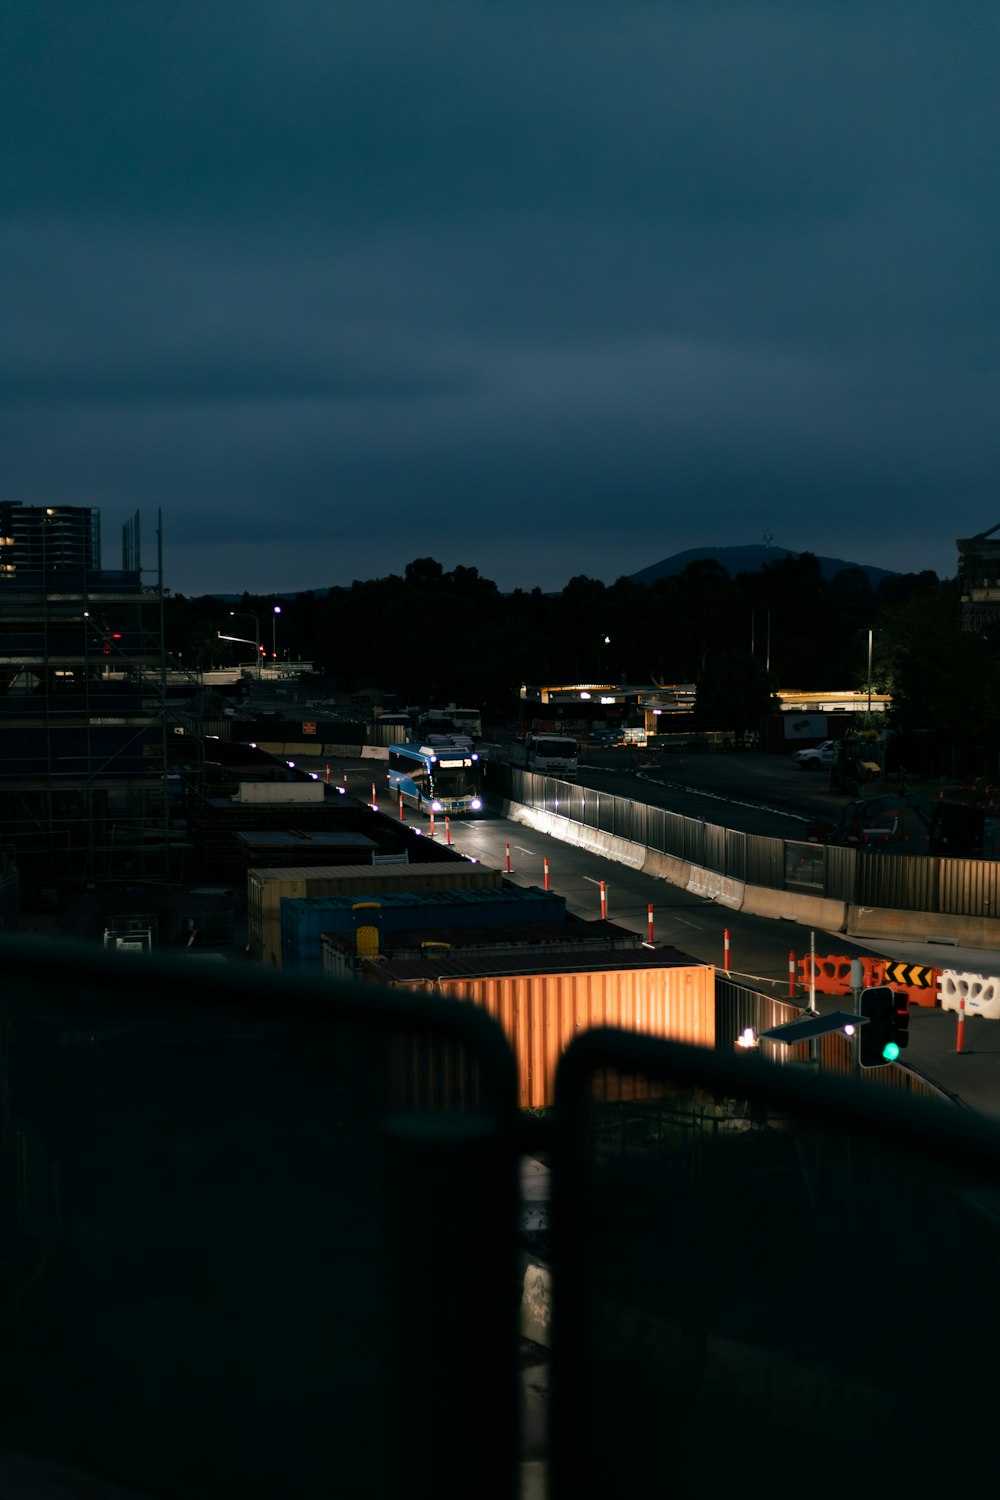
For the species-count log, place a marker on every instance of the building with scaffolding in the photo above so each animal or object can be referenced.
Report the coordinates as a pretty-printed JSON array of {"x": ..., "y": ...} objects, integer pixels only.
[
  {"x": 979, "y": 579},
  {"x": 83, "y": 732}
]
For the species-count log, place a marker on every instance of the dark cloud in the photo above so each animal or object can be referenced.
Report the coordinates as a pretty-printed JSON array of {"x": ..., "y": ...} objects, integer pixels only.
[{"x": 544, "y": 288}]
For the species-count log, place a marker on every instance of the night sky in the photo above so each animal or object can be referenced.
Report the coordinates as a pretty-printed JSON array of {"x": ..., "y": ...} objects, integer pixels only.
[{"x": 542, "y": 287}]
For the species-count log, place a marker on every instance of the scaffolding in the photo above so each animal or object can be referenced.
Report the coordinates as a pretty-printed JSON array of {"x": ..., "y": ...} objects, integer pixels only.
[{"x": 83, "y": 705}]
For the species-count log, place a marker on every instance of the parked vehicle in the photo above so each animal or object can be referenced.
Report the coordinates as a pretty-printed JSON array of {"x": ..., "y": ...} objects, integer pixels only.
[
  {"x": 547, "y": 754},
  {"x": 816, "y": 756}
]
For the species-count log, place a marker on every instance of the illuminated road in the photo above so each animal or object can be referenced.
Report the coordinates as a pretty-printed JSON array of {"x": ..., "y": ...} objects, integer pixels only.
[{"x": 759, "y": 948}]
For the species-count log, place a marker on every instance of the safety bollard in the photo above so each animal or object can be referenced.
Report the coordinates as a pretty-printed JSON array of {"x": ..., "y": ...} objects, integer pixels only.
[
  {"x": 374, "y": 798},
  {"x": 328, "y": 773},
  {"x": 507, "y": 859},
  {"x": 649, "y": 921},
  {"x": 725, "y": 949},
  {"x": 960, "y": 1030},
  {"x": 401, "y": 807},
  {"x": 432, "y": 822},
  {"x": 604, "y": 901},
  {"x": 545, "y": 864},
  {"x": 447, "y": 830},
  {"x": 791, "y": 975}
]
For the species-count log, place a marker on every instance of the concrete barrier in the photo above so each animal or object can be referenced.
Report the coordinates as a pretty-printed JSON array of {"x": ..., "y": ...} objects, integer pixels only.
[
  {"x": 925, "y": 926},
  {"x": 622, "y": 851},
  {"x": 666, "y": 867},
  {"x": 715, "y": 887},
  {"x": 795, "y": 906},
  {"x": 536, "y": 1304}
]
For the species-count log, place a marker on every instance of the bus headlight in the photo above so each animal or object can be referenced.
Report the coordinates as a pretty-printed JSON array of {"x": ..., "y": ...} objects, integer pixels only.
[
  {"x": 435, "y": 807},
  {"x": 476, "y": 804}
]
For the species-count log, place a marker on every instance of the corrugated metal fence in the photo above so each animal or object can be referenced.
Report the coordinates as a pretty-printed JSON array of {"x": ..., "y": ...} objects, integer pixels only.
[
  {"x": 904, "y": 882},
  {"x": 737, "y": 1007}
]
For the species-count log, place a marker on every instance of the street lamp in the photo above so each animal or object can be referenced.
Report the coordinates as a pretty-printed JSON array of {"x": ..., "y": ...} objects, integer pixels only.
[
  {"x": 245, "y": 615},
  {"x": 274, "y": 622}
]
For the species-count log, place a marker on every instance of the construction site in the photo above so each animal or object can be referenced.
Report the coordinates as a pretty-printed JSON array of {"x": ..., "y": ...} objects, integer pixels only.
[{"x": 83, "y": 707}]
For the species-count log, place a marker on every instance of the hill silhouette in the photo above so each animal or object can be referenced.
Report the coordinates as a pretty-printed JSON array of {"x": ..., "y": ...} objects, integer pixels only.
[{"x": 749, "y": 559}]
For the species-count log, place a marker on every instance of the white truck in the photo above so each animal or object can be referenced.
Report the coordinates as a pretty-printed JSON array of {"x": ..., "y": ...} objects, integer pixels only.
[{"x": 548, "y": 754}]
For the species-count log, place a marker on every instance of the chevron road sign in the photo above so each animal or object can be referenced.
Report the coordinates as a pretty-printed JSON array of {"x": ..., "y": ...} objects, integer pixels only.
[{"x": 913, "y": 976}]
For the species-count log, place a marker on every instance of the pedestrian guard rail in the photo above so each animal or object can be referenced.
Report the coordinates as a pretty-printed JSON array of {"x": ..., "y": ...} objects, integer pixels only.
[{"x": 975, "y": 994}]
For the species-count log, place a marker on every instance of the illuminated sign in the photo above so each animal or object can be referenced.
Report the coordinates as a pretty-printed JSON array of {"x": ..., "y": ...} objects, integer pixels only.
[{"x": 453, "y": 765}]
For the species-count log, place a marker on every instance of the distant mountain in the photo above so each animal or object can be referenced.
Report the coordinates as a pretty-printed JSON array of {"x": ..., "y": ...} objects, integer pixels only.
[{"x": 748, "y": 560}]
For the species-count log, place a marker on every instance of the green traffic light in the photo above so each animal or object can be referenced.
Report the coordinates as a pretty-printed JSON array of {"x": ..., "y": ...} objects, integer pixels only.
[{"x": 890, "y": 1051}]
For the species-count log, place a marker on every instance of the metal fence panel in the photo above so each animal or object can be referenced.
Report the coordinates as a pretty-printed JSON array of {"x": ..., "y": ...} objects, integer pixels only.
[
  {"x": 905, "y": 881},
  {"x": 656, "y": 823},
  {"x": 804, "y": 867},
  {"x": 735, "y": 855},
  {"x": 969, "y": 887},
  {"x": 714, "y": 856},
  {"x": 765, "y": 861},
  {"x": 737, "y": 1008},
  {"x": 693, "y": 841},
  {"x": 841, "y": 873},
  {"x": 591, "y": 807}
]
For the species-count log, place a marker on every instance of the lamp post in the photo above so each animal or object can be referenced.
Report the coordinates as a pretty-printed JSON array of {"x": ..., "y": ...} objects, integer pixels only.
[
  {"x": 245, "y": 615},
  {"x": 869, "y": 671},
  {"x": 274, "y": 624}
]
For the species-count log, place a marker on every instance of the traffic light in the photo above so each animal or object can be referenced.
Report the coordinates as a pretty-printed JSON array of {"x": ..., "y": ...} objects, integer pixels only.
[
  {"x": 900, "y": 1020},
  {"x": 876, "y": 1044}
]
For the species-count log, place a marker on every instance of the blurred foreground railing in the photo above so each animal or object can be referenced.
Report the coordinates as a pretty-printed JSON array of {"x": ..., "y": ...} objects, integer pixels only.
[
  {"x": 258, "y": 1237},
  {"x": 766, "y": 1281}
]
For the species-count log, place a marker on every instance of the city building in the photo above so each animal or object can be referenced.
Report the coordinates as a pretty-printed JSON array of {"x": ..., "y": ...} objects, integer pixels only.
[
  {"x": 82, "y": 704},
  {"x": 979, "y": 578},
  {"x": 40, "y": 539}
]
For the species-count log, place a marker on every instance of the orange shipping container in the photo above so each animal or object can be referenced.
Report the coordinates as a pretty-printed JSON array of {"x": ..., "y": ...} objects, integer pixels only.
[{"x": 540, "y": 1013}]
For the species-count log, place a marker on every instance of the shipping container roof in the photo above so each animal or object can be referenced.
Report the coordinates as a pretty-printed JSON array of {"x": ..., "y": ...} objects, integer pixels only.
[
  {"x": 419, "y": 871},
  {"x": 465, "y": 896},
  {"x": 513, "y": 934},
  {"x": 289, "y": 838},
  {"x": 500, "y": 965}
]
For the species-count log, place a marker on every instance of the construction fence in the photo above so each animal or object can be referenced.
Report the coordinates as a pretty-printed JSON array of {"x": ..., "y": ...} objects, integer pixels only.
[{"x": 859, "y": 877}]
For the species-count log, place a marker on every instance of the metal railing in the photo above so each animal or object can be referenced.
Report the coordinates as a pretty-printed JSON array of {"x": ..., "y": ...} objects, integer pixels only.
[
  {"x": 258, "y": 1236},
  {"x": 754, "y": 1279}
]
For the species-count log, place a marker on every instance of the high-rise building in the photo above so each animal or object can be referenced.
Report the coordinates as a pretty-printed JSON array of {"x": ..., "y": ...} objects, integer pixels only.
[
  {"x": 979, "y": 577},
  {"x": 38, "y": 539},
  {"x": 82, "y": 703}
]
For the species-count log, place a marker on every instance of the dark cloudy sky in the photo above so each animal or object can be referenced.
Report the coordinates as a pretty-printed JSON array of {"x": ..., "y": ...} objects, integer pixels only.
[{"x": 541, "y": 286}]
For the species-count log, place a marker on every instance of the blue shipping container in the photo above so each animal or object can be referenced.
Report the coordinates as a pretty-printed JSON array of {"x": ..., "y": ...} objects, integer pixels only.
[{"x": 303, "y": 920}]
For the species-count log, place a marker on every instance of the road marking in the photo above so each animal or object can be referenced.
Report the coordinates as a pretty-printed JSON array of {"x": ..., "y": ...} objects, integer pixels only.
[{"x": 696, "y": 925}]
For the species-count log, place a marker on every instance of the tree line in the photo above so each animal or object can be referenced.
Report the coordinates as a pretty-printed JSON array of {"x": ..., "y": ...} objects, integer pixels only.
[{"x": 433, "y": 635}]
